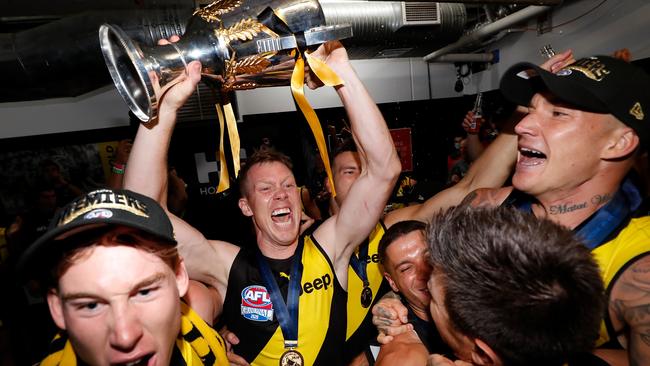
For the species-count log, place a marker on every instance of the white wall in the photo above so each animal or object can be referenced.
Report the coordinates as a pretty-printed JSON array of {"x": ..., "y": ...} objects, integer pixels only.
[{"x": 616, "y": 24}]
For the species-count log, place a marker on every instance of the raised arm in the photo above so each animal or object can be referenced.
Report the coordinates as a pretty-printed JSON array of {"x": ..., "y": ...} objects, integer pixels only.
[
  {"x": 206, "y": 261},
  {"x": 367, "y": 197},
  {"x": 490, "y": 171}
]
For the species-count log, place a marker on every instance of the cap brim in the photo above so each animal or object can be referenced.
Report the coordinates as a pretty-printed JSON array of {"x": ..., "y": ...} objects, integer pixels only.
[
  {"x": 36, "y": 253},
  {"x": 524, "y": 79}
]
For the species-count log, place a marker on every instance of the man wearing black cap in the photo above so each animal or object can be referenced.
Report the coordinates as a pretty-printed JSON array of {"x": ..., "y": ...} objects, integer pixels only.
[
  {"x": 585, "y": 125},
  {"x": 115, "y": 283}
]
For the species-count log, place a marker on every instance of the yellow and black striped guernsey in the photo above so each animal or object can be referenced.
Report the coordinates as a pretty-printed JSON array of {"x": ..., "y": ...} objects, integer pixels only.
[
  {"x": 360, "y": 330},
  {"x": 250, "y": 314},
  {"x": 198, "y": 345}
]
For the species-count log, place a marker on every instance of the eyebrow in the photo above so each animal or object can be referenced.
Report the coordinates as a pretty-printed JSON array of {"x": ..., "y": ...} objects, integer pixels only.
[{"x": 153, "y": 279}]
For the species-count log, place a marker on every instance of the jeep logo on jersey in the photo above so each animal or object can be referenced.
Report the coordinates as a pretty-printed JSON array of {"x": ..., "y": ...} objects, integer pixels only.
[{"x": 256, "y": 304}]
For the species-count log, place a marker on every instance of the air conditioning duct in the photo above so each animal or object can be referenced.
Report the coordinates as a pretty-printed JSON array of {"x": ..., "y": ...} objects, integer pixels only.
[{"x": 62, "y": 58}]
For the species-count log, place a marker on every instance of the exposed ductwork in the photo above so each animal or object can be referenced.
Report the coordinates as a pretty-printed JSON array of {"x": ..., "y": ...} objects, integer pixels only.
[
  {"x": 62, "y": 58},
  {"x": 485, "y": 31},
  {"x": 509, "y": 2},
  {"x": 396, "y": 29}
]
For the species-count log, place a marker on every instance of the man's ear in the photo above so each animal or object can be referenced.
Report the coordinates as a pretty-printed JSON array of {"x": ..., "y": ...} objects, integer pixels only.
[
  {"x": 56, "y": 308},
  {"x": 391, "y": 282},
  {"x": 623, "y": 143},
  {"x": 182, "y": 278},
  {"x": 328, "y": 185},
  {"x": 245, "y": 208},
  {"x": 483, "y": 355}
]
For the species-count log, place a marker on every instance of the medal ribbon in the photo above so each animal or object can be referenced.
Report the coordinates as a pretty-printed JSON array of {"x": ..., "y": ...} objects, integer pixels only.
[
  {"x": 286, "y": 313},
  {"x": 359, "y": 263},
  {"x": 610, "y": 216}
]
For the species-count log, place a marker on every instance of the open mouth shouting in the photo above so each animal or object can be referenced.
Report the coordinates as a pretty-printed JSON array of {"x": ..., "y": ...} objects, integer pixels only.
[
  {"x": 530, "y": 157},
  {"x": 281, "y": 215}
]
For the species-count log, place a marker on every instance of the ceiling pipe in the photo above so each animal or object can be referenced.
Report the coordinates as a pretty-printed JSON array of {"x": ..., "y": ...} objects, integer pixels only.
[
  {"x": 466, "y": 57},
  {"x": 510, "y": 2},
  {"x": 490, "y": 29}
]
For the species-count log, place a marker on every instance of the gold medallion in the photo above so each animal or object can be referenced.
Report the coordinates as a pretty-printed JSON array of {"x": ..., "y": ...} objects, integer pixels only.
[
  {"x": 366, "y": 297},
  {"x": 292, "y": 358}
]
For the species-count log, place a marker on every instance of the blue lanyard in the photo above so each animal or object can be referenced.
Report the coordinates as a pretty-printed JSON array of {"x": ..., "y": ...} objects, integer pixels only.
[
  {"x": 359, "y": 264},
  {"x": 286, "y": 313},
  {"x": 608, "y": 218}
]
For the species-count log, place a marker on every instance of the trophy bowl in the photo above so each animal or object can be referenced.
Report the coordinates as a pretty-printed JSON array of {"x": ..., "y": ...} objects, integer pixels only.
[{"x": 241, "y": 44}]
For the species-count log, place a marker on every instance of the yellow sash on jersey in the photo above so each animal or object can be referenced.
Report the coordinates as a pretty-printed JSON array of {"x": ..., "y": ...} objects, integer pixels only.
[
  {"x": 314, "y": 315},
  {"x": 612, "y": 256},
  {"x": 356, "y": 312},
  {"x": 207, "y": 349}
]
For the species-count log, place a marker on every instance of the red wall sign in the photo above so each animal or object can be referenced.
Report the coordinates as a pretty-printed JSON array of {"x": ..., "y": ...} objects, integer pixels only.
[{"x": 402, "y": 140}]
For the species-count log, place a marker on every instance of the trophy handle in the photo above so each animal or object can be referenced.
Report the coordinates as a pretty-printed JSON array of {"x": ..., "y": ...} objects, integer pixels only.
[{"x": 138, "y": 74}]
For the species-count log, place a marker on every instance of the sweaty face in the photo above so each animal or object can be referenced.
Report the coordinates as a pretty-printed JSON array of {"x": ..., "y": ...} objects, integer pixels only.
[
  {"x": 120, "y": 305},
  {"x": 274, "y": 202},
  {"x": 459, "y": 343},
  {"x": 408, "y": 269},
  {"x": 559, "y": 147},
  {"x": 346, "y": 169}
]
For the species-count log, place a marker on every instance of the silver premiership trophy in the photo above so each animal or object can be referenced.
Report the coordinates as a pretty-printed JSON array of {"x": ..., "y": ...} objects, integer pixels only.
[{"x": 241, "y": 44}]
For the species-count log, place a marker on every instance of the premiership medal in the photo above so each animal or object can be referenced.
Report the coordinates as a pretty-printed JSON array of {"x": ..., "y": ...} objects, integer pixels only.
[
  {"x": 292, "y": 358},
  {"x": 287, "y": 313},
  {"x": 366, "y": 296},
  {"x": 359, "y": 264}
]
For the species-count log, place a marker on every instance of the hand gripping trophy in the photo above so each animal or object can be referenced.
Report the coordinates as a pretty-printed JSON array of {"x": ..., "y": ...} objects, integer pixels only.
[{"x": 241, "y": 44}]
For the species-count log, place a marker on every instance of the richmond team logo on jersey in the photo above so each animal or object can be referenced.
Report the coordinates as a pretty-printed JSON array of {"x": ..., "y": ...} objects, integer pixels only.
[{"x": 256, "y": 304}]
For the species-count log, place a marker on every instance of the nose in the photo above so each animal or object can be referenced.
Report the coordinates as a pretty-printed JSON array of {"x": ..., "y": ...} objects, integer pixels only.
[
  {"x": 126, "y": 329},
  {"x": 527, "y": 125},
  {"x": 281, "y": 193},
  {"x": 423, "y": 271}
]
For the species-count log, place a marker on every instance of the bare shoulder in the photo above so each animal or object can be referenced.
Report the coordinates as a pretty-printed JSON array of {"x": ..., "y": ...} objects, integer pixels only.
[
  {"x": 325, "y": 235},
  {"x": 487, "y": 197},
  {"x": 204, "y": 300},
  {"x": 629, "y": 309},
  {"x": 630, "y": 296},
  {"x": 406, "y": 349}
]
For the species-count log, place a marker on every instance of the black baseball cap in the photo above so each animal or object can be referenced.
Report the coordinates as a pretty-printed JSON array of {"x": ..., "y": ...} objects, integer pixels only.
[
  {"x": 95, "y": 209},
  {"x": 599, "y": 84}
]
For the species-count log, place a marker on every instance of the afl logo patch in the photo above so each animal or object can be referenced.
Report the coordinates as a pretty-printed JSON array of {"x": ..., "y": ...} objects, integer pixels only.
[
  {"x": 99, "y": 214},
  {"x": 256, "y": 304},
  {"x": 564, "y": 72}
]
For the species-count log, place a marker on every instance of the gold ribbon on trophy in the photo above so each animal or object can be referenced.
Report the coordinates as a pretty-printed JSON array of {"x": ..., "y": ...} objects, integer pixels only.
[
  {"x": 329, "y": 78},
  {"x": 226, "y": 113}
]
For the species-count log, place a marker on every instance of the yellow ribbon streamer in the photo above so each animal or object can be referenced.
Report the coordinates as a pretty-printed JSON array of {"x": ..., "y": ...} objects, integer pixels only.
[
  {"x": 233, "y": 134},
  {"x": 329, "y": 78},
  {"x": 228, "y": 115},
  {"x": 224, "y": 178}
]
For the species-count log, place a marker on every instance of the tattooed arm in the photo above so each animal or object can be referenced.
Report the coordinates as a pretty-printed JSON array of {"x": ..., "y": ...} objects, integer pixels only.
[
  {"x": 629, "y": 308},
  {"x": 390, "y": 317},
  {"x": 486, "y": 197}
]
